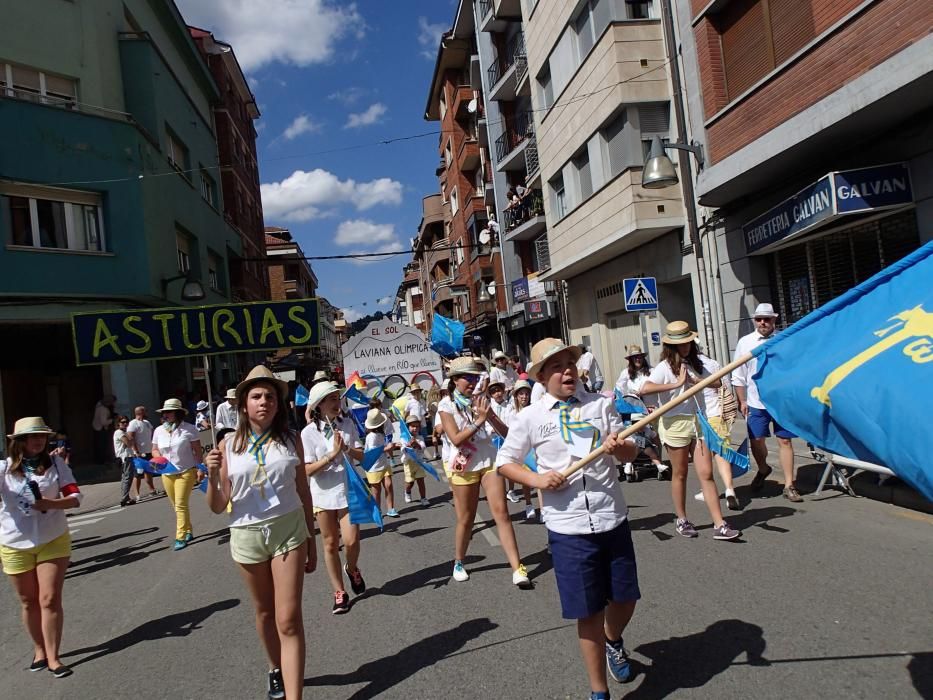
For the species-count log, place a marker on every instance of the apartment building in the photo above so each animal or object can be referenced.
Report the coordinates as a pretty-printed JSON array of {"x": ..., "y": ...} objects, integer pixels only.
[
  {"x": 432, "y": 256},
  {"x": 816, "y": 118},
  {"x": 600, "y": 92},
  {"x": 408, "y": 306}
]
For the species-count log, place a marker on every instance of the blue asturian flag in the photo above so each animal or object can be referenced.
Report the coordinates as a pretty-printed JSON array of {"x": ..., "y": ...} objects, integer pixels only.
[
  {"x": 623, "y": 406},
  {"x": 404, "y": 432},
  {"x": 370, "y": 457},
  {"x": 361, "y": 503},
  {"x": 446, "y": 336},
  {"x": 358, "y": 415},
  {"x": 355, "y": 395},
  {"x": 413, "y": 456},
  {"x": 855, "y": 376},
  {"x": 301, "y": 395},
  {"x": 163, "y": 466},
  {"x": 737, "y": 459},
  {"x": 531, "y": 462}
]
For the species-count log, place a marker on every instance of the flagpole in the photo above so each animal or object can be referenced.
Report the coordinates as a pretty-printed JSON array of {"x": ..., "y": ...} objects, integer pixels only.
[
  {"x": 210, "y": 402},
  {"x": 658, "y": 412}
]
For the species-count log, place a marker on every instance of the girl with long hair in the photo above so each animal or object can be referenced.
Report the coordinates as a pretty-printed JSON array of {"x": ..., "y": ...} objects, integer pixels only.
[
  {"x": 35, "y": 545},
  {"x": 521, "y": 397},
  {"x": 630, "y": 383},
  {"x": 682, "y": 365},
  {"x": 257, "y": 475}
]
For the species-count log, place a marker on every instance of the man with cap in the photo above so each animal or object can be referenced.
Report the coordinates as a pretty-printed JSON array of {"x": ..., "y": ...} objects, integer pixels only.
[
  {"x": 202, "y": 419},
  {"x": 502, "y": 372},
  {"x": 227, "y": 416},
  {"x": 757, "y": 418}
]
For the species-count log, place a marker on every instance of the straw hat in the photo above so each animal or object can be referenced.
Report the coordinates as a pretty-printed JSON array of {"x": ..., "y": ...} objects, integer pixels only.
[
  {"x": 412, "y": 418},
  {"x": 465, "y": 365},
  {"x": 499, "y": 355},
  {"x": 320, "y": 376},
  {"x": 634, "y": 351},
  {"x": 33, "y": 425},
  {"x": 415, "y": 387},
  {"x": 172, "y": 405},
  {"x": 765, "y": 310},
  {"x": 201, "y": 405},
  {"x": 678, "y": 333},
  {"x": 375, "y": 419},
  {"x": 261, "y": 373},
  {"x": 494, "y": 383},
  {"x": 231, "y": 394},
  {"x": 521, "y": 384},
  {"x": 547, "y": 348},
  {"x": 319, "y": 391}
]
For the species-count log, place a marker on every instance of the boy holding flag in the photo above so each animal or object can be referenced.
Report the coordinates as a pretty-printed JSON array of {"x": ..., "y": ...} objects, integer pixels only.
[{"x": 585, "y": 514}]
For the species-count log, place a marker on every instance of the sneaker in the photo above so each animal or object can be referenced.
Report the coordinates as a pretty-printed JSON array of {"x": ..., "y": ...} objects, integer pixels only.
[
  {"x": 599, "y": 695},
  {"x": 407, "y": 497},
  {"x": 392, "y": 513},
  {"x": 617, "y": 662},
  {"x": 520, "y": 577},
  {"x": 685, "y": 527},
  {"x": 724, "y": 532},
  {"x": 38, "y": 665},
  {"x": 513, "y": 496},
  {"x": 664, "y": 474},
  {"x": 792, "y": 495},
  {"x": 179, "y": 544},
  {"x": 127, "y": 502},
  {"x": 530, "y": 513},
  {"x": 699, "y": 497},
  {"x": 758, "y": 482},
  {"x": 357, "y": 584},
  {"x": 425, "y": 503},
  {"x": 61, "y": 672},
  {"x": 460, "y": 574},
  {"x": 188, "y": 537},
  {"x": 276, "y": 685},
  {"x": 341, "y": 603},
  {"x": 731, "y": 501}
]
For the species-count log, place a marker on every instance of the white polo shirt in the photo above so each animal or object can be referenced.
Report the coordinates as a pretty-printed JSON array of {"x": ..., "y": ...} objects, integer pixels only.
[
  {"x": 175, "y": 446},
  {"x": 141, "y": 430},
  {"x": 328, "y": 485},
  {"x": 226, "y": 416},
  {"x": 742, "y": 376},
  {"x": 591, "y": 501}
]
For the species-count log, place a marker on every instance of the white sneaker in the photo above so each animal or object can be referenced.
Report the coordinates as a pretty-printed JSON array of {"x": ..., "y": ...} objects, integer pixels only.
[
  {"x": 529, "y": 512},
  {"x": 425, "y": 502},
  {"x": 513, "y": 496},
  {"x": 460, "y": 574},
  {"x": 628, "y": 468},
  {"x": 407, "y": 497},
  {"x": 699, "y": 497},
  {"x": 520, "y": 577}
]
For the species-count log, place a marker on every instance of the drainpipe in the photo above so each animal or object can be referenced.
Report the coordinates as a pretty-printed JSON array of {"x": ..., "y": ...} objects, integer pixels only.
[{"x": 686, "y": 181}]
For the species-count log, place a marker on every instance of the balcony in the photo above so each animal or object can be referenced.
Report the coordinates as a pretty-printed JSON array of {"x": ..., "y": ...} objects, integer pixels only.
[
  {"x": 543, "y": 254},
  {"x": 488, "y": 21},
  {"x": 525, "y": 221},
  {"x": 468, "y": 155},
  {"x": 463, "y": 95},
  {"x": 437, "y": 254},
  {"x": 506, "y": 73},
  {"x": 511, "y": 144}
]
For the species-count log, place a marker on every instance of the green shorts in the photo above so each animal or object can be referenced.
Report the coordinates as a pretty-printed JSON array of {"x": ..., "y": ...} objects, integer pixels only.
[{"x": 255, "y": 544}]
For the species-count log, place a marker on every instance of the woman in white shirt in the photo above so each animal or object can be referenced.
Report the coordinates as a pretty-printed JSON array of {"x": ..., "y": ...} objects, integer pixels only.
[
  {"x": 179, "y": 443},
  {"x": 256, "y": 473},
  {"x": 630, "y": 383},
  {"x": 35, "y": 545},
  {"x": 329, "y": 436},
  {"x": 470, "y": 424},
  {"x": 682, "y": 365}
]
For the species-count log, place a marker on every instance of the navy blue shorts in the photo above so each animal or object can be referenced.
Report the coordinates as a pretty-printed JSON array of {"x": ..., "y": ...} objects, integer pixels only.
[
  {"x": 594, "y": 569},
  {"x": 759, "y": 425}
]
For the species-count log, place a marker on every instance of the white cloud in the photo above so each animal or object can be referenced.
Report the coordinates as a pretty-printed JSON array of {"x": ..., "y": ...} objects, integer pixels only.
[
  {"x": 385, "y": 301},
  {"x": 296, "y": 32},
  {"x": 303, "y": 196},
  {"x": 358, "y": 231},
  {"x": 372, "y": 115},
  {"x": 302, "y": 124},
  {"x": 349, "y": 96},
  {"x": 352, "y": 315},
  {"x": 429, "y": 37}
]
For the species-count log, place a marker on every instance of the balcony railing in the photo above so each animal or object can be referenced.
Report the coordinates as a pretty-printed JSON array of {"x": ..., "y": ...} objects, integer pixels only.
[
  {"x": 531, "y": 156},
  {"x": 523, "y": 127},
  {"x": 514, "y": 51},
  {"x": 530, "y": 206},
  {"x": 543, "y": 253}
]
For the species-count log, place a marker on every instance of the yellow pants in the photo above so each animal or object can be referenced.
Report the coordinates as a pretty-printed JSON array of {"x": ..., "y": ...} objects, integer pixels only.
[{"x": 178, "y": 490}]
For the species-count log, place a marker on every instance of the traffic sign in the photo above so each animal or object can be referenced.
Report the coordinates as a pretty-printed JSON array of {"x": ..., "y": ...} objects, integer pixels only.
[{"x": 641, "y": 293}]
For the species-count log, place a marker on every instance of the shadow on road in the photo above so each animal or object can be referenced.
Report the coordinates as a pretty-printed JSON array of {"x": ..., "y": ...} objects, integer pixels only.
[
  {"x": 920, "y": 668},
  {"x": 97, "y": 539},
  {"x": 176, "y": 625},
  {"x": 421, "y": 532},
  {"x": 761, "y": 517},
  {"x": 383, "y": 674},
  {"x": 692, "y": 661},
  {"x": 389, "y": 525},
  {"x": 116, "y": 557},
  {"x": 435, "y": 576},
  {"x": 222, "y": 536}
]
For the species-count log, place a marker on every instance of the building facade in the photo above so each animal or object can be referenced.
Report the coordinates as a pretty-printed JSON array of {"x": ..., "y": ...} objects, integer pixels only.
[
  {"x": 106, "y": 199},
  {"x": 817, "y": 123},
  {"x": 408, "y": 306}
]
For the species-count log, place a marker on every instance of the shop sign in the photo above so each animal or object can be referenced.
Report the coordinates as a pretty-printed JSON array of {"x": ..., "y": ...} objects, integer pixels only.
[
  {"x": 520, "y": 290},
  {"x": 536, "y": 310},
  {"x": 811, "y": 206},
  {"x": 186, "y": 331},
  {"x": 535, "y": 287},
  {"x": 517, "y": 321},
  {"x": 385, "y": 348},
  {"x": 872, "y": 188}
]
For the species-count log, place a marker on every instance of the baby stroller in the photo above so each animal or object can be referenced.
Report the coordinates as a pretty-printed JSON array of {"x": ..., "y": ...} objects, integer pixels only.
[{"x": 633, "y": 409}]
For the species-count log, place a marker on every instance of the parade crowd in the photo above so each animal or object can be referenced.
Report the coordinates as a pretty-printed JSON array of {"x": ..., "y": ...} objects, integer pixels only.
[{"x": 509, "y": 431}]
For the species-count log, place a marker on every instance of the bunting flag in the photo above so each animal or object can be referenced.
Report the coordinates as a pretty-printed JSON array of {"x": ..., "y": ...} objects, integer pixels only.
[
  {"x": 416, "y": 458},
  {"x": 370, "y": 457},
  {"x": 360, "y": 500},
  {"x": 720, "y": 446}
]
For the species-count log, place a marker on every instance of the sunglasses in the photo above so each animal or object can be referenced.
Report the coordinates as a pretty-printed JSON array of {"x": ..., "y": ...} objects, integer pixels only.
[
  {"x": 471, "y": 377},
  {"x": 766, "y": 319}
]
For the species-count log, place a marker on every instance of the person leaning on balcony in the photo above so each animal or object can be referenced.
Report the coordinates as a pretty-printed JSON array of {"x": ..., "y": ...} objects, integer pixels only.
[{"x": 179, "y": 443}]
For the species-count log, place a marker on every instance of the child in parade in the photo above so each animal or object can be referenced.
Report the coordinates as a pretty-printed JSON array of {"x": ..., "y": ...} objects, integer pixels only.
[
  {"x": 414, "y": 473},
  {"x": 586, "y": 516},
  {"x": 720, "y": 418},
  {"x": 682, "y": 365},
  {"x": 35, "y": 545},
  {"x": 379, "y": 475},
  {"x": 328, "y": 436},
  {"x": 469, "y": 424},
  {"x": 179, "y": 443},
  {"x": 257, "y": 471},
  {"x": 630, "y": 382},
  {"x": 521, "y": 397}
]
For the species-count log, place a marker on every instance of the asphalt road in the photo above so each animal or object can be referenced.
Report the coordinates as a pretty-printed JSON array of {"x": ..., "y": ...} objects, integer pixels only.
[{"x": 830, "y": 598}]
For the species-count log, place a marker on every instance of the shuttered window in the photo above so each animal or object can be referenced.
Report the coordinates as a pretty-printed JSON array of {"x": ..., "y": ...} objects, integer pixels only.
[
  {"x": 614, "y": 135},
  {"x": 791, "y": 27}
]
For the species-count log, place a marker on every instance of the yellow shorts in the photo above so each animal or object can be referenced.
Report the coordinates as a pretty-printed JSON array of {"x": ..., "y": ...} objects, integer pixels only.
[
  {"x": 467, "y": 478},
  {"x": 678, "y": 431},
  {"x": 255, "y": 544},
  {"x": 413, "y": 471},
  {"x": 21, "y": 561},
  {"x": 721, "y": 427},
  {"x": 373, "y": 478}
]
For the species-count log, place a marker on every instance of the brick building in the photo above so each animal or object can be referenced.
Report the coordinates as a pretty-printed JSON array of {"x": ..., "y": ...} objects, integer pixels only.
[{"x": 816, "y": 117}]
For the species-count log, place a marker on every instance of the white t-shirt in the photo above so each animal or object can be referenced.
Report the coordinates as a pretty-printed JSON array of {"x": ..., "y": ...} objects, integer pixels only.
[
  {"x": 175, "y": 446},
  {"x": 374, "y": 440},
  {"x": 711, "y": 395},
  {"x": 141, "y": 430},
  {"x": 24, "y": 530},
  {"x": 328, "y": 485},
  {"x": 662, "y": 374},
  {"x": 227, "y": 416},
  {"x": 484, "y": 455},
  {"x": 591, "y": 501},
  {"x": 632, "y": 387},
  {"x": 120, "y": 449},
  {"x": 278, "y": 494},
  {"x": 538, "y": 391},
  {"x": 742, "y": 376},
  {"x": 445, "y": 443}
]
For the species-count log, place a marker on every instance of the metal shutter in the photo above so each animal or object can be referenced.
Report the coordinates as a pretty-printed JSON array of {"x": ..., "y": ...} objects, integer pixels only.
[
  {"x": 792, "y": 27},
  {"x": 746, "y": 49}
]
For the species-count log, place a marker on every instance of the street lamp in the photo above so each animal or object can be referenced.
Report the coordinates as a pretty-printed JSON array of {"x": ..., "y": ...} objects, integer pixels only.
[
  {"x": 488, "y": 292},
  {"x": 192, "y": 290},
  {"x": 659, "y": 170}
]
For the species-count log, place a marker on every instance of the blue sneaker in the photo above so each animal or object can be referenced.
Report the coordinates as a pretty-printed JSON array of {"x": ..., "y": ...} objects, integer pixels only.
[
  {"x": 392, "y": 513},
  {"x": 188, "y": 537},
  {"x": 617, "y": 662},
  {"x": 599, "y": 695},
  {"x": 179, "y": 544}
]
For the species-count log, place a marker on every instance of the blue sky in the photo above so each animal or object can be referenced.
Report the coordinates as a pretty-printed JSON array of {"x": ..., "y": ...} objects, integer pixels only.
[{"x": 330, "y": 75}]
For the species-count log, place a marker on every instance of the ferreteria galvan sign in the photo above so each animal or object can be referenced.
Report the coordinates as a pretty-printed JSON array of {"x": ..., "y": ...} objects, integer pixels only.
[
  {"x": 184, "y": 331},
  {"x": 384, "y": 348}
]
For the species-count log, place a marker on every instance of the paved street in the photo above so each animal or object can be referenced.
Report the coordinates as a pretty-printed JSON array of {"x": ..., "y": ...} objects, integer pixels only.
[{"x": 828, "y": 599}]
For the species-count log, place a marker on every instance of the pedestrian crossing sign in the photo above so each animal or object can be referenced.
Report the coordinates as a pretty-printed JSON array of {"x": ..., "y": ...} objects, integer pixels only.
[{"x": 641, "y": 293}]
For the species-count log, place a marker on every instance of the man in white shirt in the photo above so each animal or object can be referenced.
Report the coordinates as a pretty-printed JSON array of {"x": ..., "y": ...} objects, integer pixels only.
[
  {"x": 502, "y": 372},
  {"x": 585, "y": 514},
  {"x": 589, "y": 370},
  {"x": 227, "y": 416},
  {"x": 757, "y": 418},
  {"x": 139, "y": 432}
]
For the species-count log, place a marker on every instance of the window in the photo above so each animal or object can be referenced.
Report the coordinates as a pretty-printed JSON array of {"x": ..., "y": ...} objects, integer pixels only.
[
  {"x": 454, "y": 203},
  {"x": 581, "y": 164},
  {"x": 418, "y": 315},
  {"x": 31, "y": 84},
  {"x": 183, "y": 249},
  {"x": 214, "y": 265},
  {"x": 176, "y": 151},
  {"x": 208, "y": 189},
  {"x": 558, "y": 196},
  {"x": 590, "y": 24},
  {"x": 614, "y": 136},
  {"x": 447, "y": 155},
  {"x": 653, "y": 120},
  {"x": 40, "y": 217},
  {"x": 547, "y": 88}
]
